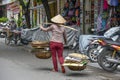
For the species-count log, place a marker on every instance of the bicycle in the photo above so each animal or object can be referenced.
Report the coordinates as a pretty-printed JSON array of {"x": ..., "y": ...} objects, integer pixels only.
[{"x": 12, "y": 36}]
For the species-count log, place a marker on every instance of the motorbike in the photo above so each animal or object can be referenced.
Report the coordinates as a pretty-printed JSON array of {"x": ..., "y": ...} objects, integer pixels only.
[
  {"x": 109, "y": 57},
  {"x": 109, "y": 53},
  {"x": 97, "y": 42},
  {"x": 93, "y": 50},
  {"x": 2, "y": 27}
]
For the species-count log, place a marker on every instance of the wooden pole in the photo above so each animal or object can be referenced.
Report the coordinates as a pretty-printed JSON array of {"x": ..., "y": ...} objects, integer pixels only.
[{"x": 63, "y": 26}]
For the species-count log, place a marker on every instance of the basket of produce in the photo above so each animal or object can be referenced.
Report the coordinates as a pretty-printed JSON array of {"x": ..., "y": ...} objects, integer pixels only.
[
  {"x": 43, "y": 54},
  {"x": 39, "y": 44},
  {"x": 76, "y": 66},
  {"x": 76, "y": 61}
]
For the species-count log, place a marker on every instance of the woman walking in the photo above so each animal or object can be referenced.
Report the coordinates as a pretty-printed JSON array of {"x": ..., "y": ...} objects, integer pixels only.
[{"x": 57, "y": 40}]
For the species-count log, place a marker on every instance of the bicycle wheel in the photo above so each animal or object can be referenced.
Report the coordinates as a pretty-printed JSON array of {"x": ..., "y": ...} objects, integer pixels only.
[{"x": 7, "y": 40}]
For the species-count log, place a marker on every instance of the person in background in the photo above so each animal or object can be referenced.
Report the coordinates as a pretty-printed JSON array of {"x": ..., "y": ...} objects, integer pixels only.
[
  {"x": 57, "y": 40},
  {"x": 24, "y": 26},
  {"x": 13, "y": 25}
]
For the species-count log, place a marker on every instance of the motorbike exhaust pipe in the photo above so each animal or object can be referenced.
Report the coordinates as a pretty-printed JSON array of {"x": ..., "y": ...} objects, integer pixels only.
[{"x": 113, "y": 60}]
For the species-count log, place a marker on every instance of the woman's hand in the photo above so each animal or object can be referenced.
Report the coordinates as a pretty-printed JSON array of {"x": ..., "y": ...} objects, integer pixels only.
[{"x": 40, "y": 25}]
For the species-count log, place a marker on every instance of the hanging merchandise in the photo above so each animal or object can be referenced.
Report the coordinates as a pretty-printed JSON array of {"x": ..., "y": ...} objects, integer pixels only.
[
  {"x": 99, "y": 23},
  {"x": 65, "y": 12},
  {"x": 77, "y": 12},
  {"x": 118, "y": 8},
  {"x": 114, "y": 2},
  {"x": 71, "y": 5},
  {"x": 65, "y": 9},
  {"x": 105, "y": 15},
  {"x": 74, "y": 19},
  {"x": 67, "y": 4},
  {"x": 73, "y": 1},
  {"x": 109, "y": 19},
  {"x": 105, "y": 5},
  {"x": 77, "y": 4},
  {"x": 108, "y": 1},
  {"x": 99, "y": 19},
  {"x": 71, "y": 12},
  {"x": 78, "y": 21},
  {"x": 103, "y": 24},
  {"x": 118, "y": 14}
]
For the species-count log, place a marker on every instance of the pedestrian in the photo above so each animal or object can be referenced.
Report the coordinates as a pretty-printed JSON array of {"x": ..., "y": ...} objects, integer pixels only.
[
  {"x": 13, "y": 25},
  {"x": 57, "y": 40},
  {"x": 24, "y": 26}
]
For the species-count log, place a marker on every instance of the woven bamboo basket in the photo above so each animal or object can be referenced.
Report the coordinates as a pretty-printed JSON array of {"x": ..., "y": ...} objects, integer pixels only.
[
  {"x": 43, "y": 54},
  {"x": 39, "y": 44},
  {"x": 77, "y": 68}
]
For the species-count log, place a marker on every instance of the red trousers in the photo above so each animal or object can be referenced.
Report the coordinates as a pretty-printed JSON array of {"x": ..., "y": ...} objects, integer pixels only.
[{"x": 57, "y": 51}]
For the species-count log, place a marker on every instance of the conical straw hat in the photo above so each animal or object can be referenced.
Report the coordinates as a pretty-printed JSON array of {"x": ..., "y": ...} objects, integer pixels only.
[{"x": 58, "y": 19}]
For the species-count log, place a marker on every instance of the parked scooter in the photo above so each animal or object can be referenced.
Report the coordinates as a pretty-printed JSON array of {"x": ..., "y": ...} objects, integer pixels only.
[
  {"x": 3, "y": 26},
  {"x": 109, "y": 57},
  {"x": 109, "y": 53},
  {"x": 97, "y": 42},
  {"x": 93, "y": 50}
]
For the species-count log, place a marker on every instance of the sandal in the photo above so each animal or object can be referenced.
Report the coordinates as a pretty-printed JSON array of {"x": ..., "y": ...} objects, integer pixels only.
[{"x": 63, "y": 69}]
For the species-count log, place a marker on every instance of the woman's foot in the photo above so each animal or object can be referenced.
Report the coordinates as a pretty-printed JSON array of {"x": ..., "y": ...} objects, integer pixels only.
[
  {"x": 54, "y": 70},
  {"x": 63, "y": 69}
]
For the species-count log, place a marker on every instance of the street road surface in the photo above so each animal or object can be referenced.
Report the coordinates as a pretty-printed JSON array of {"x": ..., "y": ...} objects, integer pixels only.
[{"x": 17, "y": 63}]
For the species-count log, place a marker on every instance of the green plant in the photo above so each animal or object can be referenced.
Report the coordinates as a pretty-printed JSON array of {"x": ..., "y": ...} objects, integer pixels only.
[
  {"x": 19, "y": 21},
  {"x": 3, "y": 19}
]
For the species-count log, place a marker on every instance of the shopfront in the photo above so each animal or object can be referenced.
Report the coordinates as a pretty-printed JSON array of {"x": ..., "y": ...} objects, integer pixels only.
[
  {"x": 108, "y": 14},
  {"x": 88, "y": 15}
]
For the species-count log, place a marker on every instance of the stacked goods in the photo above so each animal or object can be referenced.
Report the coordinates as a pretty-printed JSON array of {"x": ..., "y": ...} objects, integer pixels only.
[
  {"x": 39, "y": 44},
  {"x": 76, "y": 61},
  {"x": 42, "y": 49}
]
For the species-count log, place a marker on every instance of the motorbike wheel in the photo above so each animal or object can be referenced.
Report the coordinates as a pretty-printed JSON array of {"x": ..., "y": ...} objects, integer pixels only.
[
  {"x": 104, "y": 63},
  {"x": 92, "y": 53}
]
